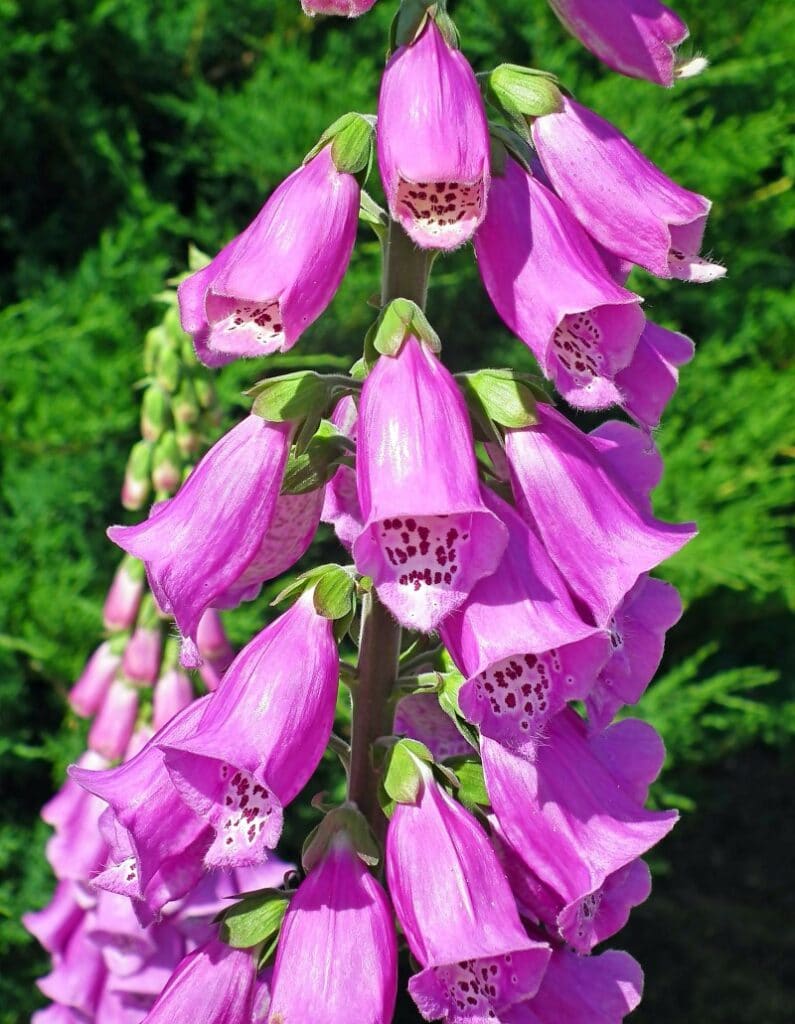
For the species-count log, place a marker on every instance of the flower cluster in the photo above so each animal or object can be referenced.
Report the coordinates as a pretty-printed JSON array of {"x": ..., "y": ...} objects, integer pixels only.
[{"x": 497, "y": 616}]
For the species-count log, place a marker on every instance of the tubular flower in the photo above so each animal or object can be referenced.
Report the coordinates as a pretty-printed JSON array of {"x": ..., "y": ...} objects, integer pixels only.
[
  {"x": 124, "y": 596},
  {"x": 427, "y": 537},
  {"x": 200, "y": 543},
  {"x": 457, "y": 911},
  {"x": 275, "y": 279},
  {"x": 112, "y": 729},
  {"x": 588, "y": 500},
  {"x": 620, "y": 197},
  {"x": 346, "y": 8},
  {"x": 433, "y": 142},
  {"x": 261, "y": 737},
  {"x": 88, "y": 693},
  {"x": 549, "y": 284},
  {"x": 54, "y": 924},
  {"x": 341, "y": 502},
  {"x": 648, "y": 383},
  {"x": 337, "y": 958},
  {"x": 518, "y": 638},
  {"x": 636, "y": 37}
]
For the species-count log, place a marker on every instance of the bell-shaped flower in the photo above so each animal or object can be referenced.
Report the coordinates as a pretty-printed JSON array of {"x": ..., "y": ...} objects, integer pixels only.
[
  {"x": 275, "y": 279},
  {"x": 638, "y": 38},
  {"x": 588, "y": 501},
  {"x": 620, "y": 197},
  {"x": 115, "y": 928},
  {"x": 637, "y": 632},
  {"x": 212, "y": 985},
  {"x": 88, "y": 693},
  {"x": 346, "y": 8},
  {"x": 433, "y": 142},
  {"x": 428, "y": 537},
  {"x": 198, "y": 545},
  {"x": 574, "y": 812},
  {"x": 583, "y": 990},
  {"x": 341, "y": 507},
  {"x": 420, "y": 717},
  {"x": 157, "y": 843},
  {"x": 549, "y": 284},
  {"x": 456, "y": 909},
  {"x": 337, "y": 954},
  {"x": 650, "y": 380},
  {"x": 77, "y": 977},
  {"x": 111, "y": 730},
  {"x": 77, "y": 848},
  {"x": 54, "y": 924},
  {"x": 262, "y": 735},
  {"x": 520, "y": 641}
]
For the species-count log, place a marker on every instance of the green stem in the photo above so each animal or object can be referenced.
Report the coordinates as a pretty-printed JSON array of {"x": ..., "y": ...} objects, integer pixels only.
[{"x": 405, "y": 275}]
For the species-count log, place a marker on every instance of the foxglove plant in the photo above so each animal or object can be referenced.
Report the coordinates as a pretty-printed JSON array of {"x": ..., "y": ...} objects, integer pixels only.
[{"x": 494, "y": 612}]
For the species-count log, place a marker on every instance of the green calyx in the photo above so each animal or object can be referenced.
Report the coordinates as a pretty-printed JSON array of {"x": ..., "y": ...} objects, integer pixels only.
[
  {"x": 345, "y": 825},
  {"x": 403, "y": 771},
  {"x": 255, "y": 921},
  {"x": 299, "y": 395},
  {"x": 521, "y": 93},
  {"x": 412, "y": 17},
  {"x": 351, "y": 139},
  {"x": 399, "y": 320},
  {"x": 500, "y": 399}
]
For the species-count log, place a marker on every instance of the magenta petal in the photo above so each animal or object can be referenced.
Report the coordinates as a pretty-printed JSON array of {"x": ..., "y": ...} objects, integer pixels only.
[
  {"x": 433, "y": 142},
  {"x": 419, "y": 716},
  {"x": 173, "y": 692},
  {"x": 346, "y": 8},
  {"x": 88, "y": 693},
  {"x": 111, "y": 730},
  {"x": 520, "y": 640},
  {"x": 597, "y": 916},
  {"x": 583, "y": 990},
  {"x": 650, "y": 380},
  {"x": 197, "y": 545},
  {"x": 54, "y": 924},
  {"x": 337, "y": 956},
  {"x": 341, "y": 502},
  {"x": 550, "y": 286},
  {"x": 600, "y": 535},
  {"x": 620, "y": 197},
  {"x": 77, "y": 978},
  {"x": 575, "y": 814},
  {"x": 262, "y": 735},
  {"x": 637, "y": 37},
  {"x": 456, "y": 909},
  {"x": 428, "y": 537},
  {"x": 114, "y": 927}
]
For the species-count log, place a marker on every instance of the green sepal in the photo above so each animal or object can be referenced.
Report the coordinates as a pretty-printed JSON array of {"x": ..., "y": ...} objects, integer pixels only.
[
  {"x": 506, "y": 141},
  {"x": 335, "y": 593},
  {"x": 410, "y": 20},
  {"x": 501, "y": 396},
  {"x": 316, "y": 464},
  {"x": 522, "y": 93},
  {"x": 471, "y": 790},
  {"x": 155, "y": 412},
  {"x": 348, "y": 822},
  {"x": 400, "y": 319},
  {"x": 402, "y": 774},
  {"x": 291, "y": 396},
  {"x": 449, "y": 685},
  {"x": 255, "y": 919},
  {"x": 374, "y": 215},
  {"x": 351, "y": 139},
  {"x": 197, "y": 259},
  {"x": 168, "y": 367}
]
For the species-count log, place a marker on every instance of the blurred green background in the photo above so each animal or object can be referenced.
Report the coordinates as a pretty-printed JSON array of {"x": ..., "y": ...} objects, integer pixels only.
[{"x": 129, "y": 127}]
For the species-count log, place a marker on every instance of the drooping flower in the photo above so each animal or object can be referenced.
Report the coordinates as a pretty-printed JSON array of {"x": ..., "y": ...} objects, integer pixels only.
[
  {"x": 115, "y": 928},
  {"x": 77, "y": 977},
  {"x": 212, "y": 985},
  {"x": 54, "y": 924},
  {"x": 341, "y": 501},
  {"x": 620, "y": 197},
  {"x": 638, "y": 638},
  {"x": 583, "y": 990},
  {"x": 428, "y": 537},
  {"x": 275, "y": 279},
  {"x": 433, "y": 142},
  {"x": 262, "y": 735},
  {"x": 550, "y": 286},
  {"x": 457, "y": 912},
  {"x": 419, "y": 716},
  {"x": 124, "y": 596},
  {"x": 141, "y": 660},
  {"x": 574, "y": 490},
  {"x": 574, "y": 812},
  {"x": 77, "y": 849},
  {"x": 520, "y": 641},
  {"x": 337, "y": 955},
  {"x": 88, "y": 693},
  {"x": 111, "y": 730},
  {"x": 198, "y": 545},
  {"x": 648, "y": 383},
  {"x": 346, "y": 8},
  {"x": 636, "y": 37}
]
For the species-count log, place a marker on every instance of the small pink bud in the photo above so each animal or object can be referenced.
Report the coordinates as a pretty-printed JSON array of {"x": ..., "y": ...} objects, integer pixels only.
[
  {"x": 345, "y": 8},
  {"x": 89, "y": 691},
  {"x": 124, "y": 596},
  {"x": 112, "y": 728}
]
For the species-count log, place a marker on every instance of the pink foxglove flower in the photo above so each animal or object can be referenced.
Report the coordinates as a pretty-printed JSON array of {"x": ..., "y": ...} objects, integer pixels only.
[
  {"x": 77, "y": 977},
  {"x": 88, "y": 693},
  {"x": 620, "y": 197},
  {"x": 341, "y": 501},
  {"x": 172, "y": 693},
  {"x": 638, "y": 638},
  {"x": 198, "y": 545},
  {"x": 141, "y": 661},
  {"x": 650, "y": 380},
  {"x": 550, "y": 286},
  {"x": 124, "y": 596},
  {"x": 157, "y": 842},
  {"x": 574, "y": 814},
  {"x": 54, "y": 924},
  {"x": 212, "y": 985},
  {"x": 115, "y": 928},
  {"x": 457, "y": 912},
  {"x": 419, "y": 716},
  {"x": 262, "y": 735},
  {"x": 337, "y": 955},
  {"x": 111, "y": 730},
  {"x": 598, "y": 530},
  {"x": 77, "y": 848},
  {"x": 520, "y": 641},
  {"x": 428, "y": 537},
  {"x": 346, "y": 8},
  {"x": 583, "y": 990},
  {"x": 433, "y": 142},
  {"x": 275, "y": 279},
  {"x": 212, "y": 641},
  {"x": 635, "y": 37}
]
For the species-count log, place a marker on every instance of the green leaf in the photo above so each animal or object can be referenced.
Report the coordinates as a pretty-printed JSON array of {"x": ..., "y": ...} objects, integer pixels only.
[
  {"x": 312, "y": 468},
  {"x": 502, "y": 395},
  {"x": 403, "y": 775},
  {"x": 472, "y": 790},
  {"x": 292, "y": 396},
  {"x": 255, "y": 919}
]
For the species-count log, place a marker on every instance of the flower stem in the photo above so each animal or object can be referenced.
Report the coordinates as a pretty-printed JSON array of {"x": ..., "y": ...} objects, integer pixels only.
[{"x": 405, "y": 276}]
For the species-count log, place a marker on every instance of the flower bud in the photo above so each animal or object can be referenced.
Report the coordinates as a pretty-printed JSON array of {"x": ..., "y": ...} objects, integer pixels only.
[
  {"x": 124, "y": 596},
  {"x": 137, "y": 476},
  {"x": 89, "y": 691},
  {"x": 154, "y": 412},
  {"x": 346, "y": 8},
  {"x": 167, "y": 464},
  {"x": 111, "y": 730}
]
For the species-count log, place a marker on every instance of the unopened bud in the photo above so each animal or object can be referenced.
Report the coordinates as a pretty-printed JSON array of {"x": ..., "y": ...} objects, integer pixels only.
[
  {"x": 351, "y": 138},
  {"x": 124, "y": 595},
  {"x": 168, "y": 368},
  {"x": 112, "y": 728},
  {"x": 154, "y": 412},
  {"x": 154, "y": 341},
  {"x": 188, "y": 440},
  {"x": 137, "y": 476},
  {"x": 185, "y": 405},
  {"x": 167, "y": 464}
]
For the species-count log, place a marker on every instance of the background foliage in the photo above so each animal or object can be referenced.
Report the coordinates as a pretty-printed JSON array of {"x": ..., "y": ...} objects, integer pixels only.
[{"x": 129, "y": 127}]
